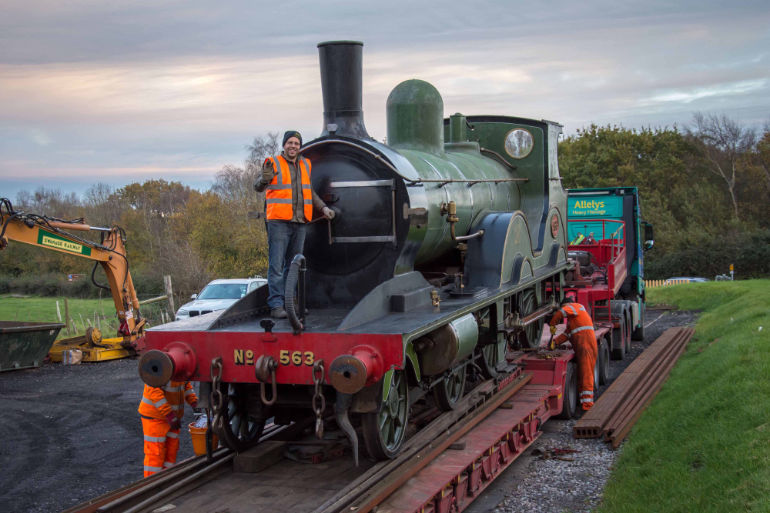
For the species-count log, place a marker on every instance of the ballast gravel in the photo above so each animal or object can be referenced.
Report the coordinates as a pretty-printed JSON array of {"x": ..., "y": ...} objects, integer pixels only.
[
  {"x": 564, "y": 482},
  {"x": 545, "y": 484}
]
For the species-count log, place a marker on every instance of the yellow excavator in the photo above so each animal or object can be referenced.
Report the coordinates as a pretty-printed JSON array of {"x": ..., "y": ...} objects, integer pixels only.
[{"x": 53, "y": 233}]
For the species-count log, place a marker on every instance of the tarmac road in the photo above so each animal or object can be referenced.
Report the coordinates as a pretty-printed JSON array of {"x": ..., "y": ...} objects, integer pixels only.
[{"x": 71, "y": 433}]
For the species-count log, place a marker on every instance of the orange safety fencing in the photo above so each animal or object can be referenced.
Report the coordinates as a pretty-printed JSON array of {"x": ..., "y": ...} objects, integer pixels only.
[{"x": 652, "y": 284}]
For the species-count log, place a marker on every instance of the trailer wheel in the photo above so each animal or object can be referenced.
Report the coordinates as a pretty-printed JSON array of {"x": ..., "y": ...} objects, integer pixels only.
[
  {"x": 451, "y": 389},
  {"x": 629, "y": 327},
  {"x": 385, "y": 430},
  {"x": 638, "y": 333},
  {"x": 570, "y": 394},
  {"x": 596, "y": 373},
  {"x": 603, "y": 359},
  {"x": 618, "y": 340}
]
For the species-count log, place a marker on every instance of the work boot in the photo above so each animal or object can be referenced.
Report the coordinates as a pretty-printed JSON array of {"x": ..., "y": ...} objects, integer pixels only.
[{"x": 278, "y": 313}]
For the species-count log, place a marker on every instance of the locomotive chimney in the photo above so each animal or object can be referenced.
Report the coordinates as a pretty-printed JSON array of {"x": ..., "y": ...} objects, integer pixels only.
[{"x": 341, "y": 86}]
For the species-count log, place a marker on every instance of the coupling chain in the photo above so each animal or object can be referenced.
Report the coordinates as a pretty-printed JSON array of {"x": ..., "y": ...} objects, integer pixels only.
[
  {"x": 217, "y": 401},
  {"x": 319, "y": 401}
]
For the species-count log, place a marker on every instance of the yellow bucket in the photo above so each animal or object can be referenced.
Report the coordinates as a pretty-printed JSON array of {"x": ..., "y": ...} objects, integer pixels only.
[{"x": 198, "y": 436}]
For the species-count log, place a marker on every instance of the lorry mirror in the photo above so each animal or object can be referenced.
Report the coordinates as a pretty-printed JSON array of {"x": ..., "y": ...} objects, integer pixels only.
[
  {"x": 648, "y": 244},
  {"x": 648, "y": 235}
]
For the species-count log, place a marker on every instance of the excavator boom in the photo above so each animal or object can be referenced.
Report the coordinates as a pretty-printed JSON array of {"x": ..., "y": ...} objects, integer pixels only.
[{"x": 54, "y": 234}]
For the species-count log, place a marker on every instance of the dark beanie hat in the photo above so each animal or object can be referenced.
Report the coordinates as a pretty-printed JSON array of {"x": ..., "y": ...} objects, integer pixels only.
[{"x": 291, "y": 133}]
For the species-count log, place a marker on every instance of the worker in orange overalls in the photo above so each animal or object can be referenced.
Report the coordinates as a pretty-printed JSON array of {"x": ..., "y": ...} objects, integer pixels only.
[
  {"x": 162, "y": 410},
  {"x": 580, "y": 331}
]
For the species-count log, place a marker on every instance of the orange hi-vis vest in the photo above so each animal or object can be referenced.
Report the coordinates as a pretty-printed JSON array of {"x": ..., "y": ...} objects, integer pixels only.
[
  {"x": 577, "y": 320},
  {"x": 158, "y": 402},
  {"x": 278, "y": 194}
]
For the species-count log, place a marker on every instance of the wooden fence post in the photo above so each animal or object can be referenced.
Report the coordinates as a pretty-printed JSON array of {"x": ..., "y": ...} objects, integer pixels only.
[
  {"x": 67, "y": 316},
  {"x": 169, "y": 292}
]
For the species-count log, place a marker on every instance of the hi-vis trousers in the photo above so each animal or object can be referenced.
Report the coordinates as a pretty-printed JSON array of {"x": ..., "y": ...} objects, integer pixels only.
[
  {"x": 161, "y": 445},
  {"x": 584, "y": 345}
]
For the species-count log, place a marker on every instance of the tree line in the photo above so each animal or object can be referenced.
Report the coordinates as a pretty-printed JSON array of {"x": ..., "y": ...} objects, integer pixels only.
[{"x": 705, "y": 188}]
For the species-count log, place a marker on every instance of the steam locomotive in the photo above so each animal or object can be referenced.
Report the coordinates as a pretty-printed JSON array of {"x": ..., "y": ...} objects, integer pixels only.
[{"x": 447, "y": 242}]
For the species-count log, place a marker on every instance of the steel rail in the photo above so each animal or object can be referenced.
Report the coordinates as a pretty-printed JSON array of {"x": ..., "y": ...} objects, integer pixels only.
[
  {"x": 383, "y": 479},
  {"x": 193, "y": 479},
  {"x": 624, "y": 428},
  {"x": 665, "y": 360},
  {"x": 146, "y": 485},
  {"x": 363, "y": 494},
  {"x": 592, "y": 423},
  {"x": 382, "y": 490},
  {"x": 125, "y": 498},
  {"x": 622, "y": 404}
]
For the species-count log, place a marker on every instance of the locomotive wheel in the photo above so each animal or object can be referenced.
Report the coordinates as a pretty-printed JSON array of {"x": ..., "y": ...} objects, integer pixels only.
[
  {"x": 385, "y": 430},
  {"x": 242, "y": 429},
  {"x": 603, "y": 361},
  {"x": 527, "y": 303},
  {"x": 489, "y": 360},
  {"x": 488, "y": 355},
  {"x": 451, "y": 389},
  {"x": 570, "y": 403}
]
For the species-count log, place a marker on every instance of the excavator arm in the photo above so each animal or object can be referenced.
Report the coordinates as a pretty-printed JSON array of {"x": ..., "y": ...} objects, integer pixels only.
[{"x": 54, "y": 234}]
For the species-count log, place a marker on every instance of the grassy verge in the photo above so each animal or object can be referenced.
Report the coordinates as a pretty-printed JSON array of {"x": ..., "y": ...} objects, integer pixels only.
[
  {"x": 82, "y": 313},
  {"x": 704, "y": 443}
]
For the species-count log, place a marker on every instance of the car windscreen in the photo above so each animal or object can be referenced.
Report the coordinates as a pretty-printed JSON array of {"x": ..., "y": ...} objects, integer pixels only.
[{"x": 223, "y": 291}]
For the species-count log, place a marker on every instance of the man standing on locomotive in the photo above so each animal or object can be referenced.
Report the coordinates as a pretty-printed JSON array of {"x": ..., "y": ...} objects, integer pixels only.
[
  {"x": 289, "y": 202},
  {"x": 580, "y": 331}
]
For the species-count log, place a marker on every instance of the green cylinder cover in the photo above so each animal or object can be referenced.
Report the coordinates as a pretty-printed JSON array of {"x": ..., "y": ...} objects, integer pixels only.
[
  {"x": 415, "y": 113},
  {"x": 449, "y": 344}
]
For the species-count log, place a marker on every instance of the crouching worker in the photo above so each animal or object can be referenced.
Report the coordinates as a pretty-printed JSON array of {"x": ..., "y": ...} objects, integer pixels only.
[
  {"x": 162, "y": 409},
  {"x": 580, "y": 332}
]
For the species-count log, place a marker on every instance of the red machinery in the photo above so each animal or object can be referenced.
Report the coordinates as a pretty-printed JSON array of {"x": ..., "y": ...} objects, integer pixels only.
[{"x": 595, "y": 281}]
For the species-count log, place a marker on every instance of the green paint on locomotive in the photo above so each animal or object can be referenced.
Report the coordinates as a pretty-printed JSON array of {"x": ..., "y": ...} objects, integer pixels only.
[{"x": 476, "y": 170}]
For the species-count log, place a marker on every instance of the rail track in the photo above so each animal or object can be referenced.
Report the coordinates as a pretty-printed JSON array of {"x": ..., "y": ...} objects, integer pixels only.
[{"x": 278, "y": 473}]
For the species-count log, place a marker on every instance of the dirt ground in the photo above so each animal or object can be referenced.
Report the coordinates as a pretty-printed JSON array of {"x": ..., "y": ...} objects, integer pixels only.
[{"x": 70, "y": 433}]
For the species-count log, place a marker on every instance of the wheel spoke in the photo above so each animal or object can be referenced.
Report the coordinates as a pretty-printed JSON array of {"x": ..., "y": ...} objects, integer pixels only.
[
  {"x": 241, "y": 429},
  {"x": 387, "y": 432},
  {"x": 384, "y": 430}
]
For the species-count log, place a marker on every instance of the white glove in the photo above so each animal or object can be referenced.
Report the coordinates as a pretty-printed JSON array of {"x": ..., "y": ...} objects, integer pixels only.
[{"x": 328, "y": 213}]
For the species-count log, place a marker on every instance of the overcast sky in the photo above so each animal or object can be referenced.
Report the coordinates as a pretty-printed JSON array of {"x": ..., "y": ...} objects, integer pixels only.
[{"x": 122, "y": 91}]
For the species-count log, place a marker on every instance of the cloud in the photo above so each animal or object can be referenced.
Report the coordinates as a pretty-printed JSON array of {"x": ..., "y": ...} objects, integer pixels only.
[
  {"x": 689, "y": 96},
  {"x": 182, "y": 86}
]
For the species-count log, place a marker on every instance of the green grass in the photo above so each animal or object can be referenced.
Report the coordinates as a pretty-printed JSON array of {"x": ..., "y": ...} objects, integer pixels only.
[
  {"x": 703, "y": 445},
  {"x": 43, "y": 309}
]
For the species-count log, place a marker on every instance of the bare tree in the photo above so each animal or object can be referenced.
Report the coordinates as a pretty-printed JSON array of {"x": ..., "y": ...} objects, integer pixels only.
[
  {"x": 235, "y": 185},
  {"x": 100, "y": 210},
  {"x": 262, "y": 147},
  {"x": 763, "y": 153},
  {"x": 723, "y": 142}
]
